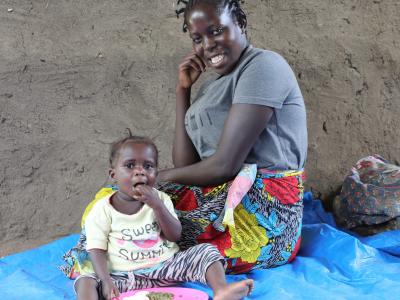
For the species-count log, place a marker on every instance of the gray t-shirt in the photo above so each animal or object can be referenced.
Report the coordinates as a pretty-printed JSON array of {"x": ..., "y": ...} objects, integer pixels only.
[{"x": 261, "y": 77}]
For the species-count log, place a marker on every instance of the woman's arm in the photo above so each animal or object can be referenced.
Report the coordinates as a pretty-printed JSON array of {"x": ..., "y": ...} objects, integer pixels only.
[
  {"x": 244, "y": 124},
  {"x": 183, "y": 150}
]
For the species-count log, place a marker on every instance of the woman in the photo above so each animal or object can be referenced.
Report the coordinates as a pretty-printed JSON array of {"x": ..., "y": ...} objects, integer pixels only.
[
  {"x": 250, "y": 117},
  {"x": 252, "y": 112}
]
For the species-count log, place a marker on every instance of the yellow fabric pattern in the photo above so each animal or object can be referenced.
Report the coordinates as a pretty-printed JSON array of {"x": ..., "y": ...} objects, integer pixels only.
[
  {"x": 103, "y": 192},
  {"x": 214, "y": 191},
  {"x": 247, "y": 237},
  {"x": 85, "y": 267}
]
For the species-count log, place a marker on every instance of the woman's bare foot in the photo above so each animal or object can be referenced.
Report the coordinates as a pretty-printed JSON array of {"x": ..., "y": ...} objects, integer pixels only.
[{"x": 235, "y": 291}]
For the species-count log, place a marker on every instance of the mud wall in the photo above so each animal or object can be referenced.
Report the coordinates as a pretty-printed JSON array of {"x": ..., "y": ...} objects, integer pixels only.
[{"x": 74, "y": 74}]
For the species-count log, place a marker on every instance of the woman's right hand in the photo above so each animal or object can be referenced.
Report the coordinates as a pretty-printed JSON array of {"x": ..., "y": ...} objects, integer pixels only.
[{"x": 190, "y": 70}]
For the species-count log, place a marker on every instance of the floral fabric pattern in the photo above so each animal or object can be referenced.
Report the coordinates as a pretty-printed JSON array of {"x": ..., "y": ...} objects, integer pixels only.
[
  {"x": 267, "y": 231},
  {"x": 267, "y": 220}
]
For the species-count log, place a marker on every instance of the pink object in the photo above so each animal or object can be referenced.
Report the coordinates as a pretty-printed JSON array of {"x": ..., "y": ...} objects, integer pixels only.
[
  {"x": 240, "y": 186},
  {"x": 178, "y": 292},
  {"x": 145, "y": 244}
]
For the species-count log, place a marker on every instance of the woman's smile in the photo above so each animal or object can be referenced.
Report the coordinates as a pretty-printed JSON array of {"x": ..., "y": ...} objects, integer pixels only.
[{"x": 216, "y": 60}]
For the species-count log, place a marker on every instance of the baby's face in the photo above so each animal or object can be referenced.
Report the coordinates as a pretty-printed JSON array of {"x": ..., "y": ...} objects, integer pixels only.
[{"x": 136, "y": 164}]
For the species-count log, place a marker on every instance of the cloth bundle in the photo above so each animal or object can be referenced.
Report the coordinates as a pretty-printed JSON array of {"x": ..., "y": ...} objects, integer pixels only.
[{"x": 370, "y": 196}]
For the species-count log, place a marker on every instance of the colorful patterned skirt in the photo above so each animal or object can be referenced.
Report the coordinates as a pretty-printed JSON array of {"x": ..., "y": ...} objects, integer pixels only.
[{"x": 267, "y": 222}]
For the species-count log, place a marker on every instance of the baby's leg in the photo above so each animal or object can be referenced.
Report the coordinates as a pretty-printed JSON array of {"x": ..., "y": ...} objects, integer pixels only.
[
  {"x": 203, "y": 263},
  {"x": 215, "y": 276},
  {"x": 86, "y": 288}
]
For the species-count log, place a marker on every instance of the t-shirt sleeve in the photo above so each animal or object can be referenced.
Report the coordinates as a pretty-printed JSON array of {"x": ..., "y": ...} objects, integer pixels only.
[
  {"x": 97, "y": 227},
  {"x": 266, "y": 80},
  {"x": 168, "y": 203}
]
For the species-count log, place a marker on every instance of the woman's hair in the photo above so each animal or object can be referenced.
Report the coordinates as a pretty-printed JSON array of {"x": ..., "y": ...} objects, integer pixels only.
[
  {"x": 232, "y": 5},
  {"x": 116, "y": 146}
]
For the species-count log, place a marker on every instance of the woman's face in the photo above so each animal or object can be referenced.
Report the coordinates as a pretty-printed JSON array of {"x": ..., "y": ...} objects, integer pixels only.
[{"x": 217, "y": 38}]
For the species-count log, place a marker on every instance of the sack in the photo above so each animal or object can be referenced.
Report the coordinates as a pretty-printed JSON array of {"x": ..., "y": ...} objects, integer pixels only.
[{"x": 369, "y": 201}]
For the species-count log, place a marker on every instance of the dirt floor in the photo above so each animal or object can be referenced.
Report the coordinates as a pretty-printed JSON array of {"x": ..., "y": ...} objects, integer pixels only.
[{"x": 75, "y": 74}]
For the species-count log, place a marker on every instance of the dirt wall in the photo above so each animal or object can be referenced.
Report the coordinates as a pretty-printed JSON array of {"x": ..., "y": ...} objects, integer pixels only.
[{"x": 74, "y": 74}]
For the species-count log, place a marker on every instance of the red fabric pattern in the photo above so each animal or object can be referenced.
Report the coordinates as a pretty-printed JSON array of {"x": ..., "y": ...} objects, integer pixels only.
[
  {"x": 239, "y": 267},
  {"x": 221, "y": 240},
  {"x": 284, "y": 189},
  {"x": 187, "y": 201}
]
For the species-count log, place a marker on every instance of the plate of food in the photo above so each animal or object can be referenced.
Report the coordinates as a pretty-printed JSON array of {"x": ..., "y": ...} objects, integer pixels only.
[{"x": 166, "y": 293}]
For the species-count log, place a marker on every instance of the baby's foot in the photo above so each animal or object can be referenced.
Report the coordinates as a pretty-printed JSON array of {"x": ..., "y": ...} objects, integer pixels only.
[{"x": 235, "y": 291}]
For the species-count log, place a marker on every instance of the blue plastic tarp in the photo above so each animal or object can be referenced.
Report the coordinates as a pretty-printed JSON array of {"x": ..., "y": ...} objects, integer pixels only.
[{"x": 331, "y": 264}]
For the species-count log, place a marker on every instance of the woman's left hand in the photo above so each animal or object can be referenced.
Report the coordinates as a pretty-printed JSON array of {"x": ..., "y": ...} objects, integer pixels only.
[{"x": 190, "y": 70}]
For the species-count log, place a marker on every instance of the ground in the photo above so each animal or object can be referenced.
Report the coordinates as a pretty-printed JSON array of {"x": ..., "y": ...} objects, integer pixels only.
[{"x": 75, "y": 74}]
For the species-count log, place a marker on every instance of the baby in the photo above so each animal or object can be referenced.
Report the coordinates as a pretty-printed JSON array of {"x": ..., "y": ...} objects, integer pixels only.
[{"x": 131, "y": 235}]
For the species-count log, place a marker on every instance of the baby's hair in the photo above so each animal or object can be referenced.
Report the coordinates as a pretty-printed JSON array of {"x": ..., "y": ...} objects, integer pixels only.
[
  {"x": 136, "y": 139},
  {"x": 233, "y": 6}
]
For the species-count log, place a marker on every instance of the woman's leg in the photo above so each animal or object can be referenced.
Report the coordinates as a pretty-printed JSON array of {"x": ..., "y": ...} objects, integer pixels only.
[
  {"x": 267, "y": 221},
  {"x": 200, "y": 211}
]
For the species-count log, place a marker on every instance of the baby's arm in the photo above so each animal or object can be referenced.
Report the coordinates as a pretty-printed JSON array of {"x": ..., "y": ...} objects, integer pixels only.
[
  {"x": 170, "y": 225},
  {"x": 99, "y": 262},
  {"x": 171, "y": 228},
  {"x": 97, "y": 226}
]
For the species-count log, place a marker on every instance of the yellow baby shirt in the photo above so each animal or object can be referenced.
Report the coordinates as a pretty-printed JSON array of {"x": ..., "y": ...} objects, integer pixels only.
[{"x": 133, "y": 241}]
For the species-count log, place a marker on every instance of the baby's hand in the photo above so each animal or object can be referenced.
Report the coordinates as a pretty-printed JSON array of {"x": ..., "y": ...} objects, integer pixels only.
[
  {"x": 147, "y": 195},
  {"x": 109, "y": 290}
]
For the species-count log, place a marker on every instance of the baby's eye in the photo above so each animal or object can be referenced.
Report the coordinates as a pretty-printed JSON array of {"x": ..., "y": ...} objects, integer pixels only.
[
  {"x": 130, "y": 165},
  {"x": 148, "y": 166}
]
